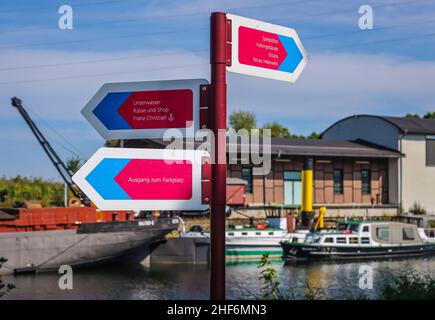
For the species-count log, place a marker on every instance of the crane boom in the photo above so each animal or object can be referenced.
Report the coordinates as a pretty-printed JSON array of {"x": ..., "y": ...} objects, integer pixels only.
[{"x": 60, "y": 166}]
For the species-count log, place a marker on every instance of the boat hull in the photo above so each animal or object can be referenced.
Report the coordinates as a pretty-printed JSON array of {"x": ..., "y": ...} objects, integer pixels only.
[
  {"x": 252, "y": 249},
  {"x": 91, "y": 244},
  {"x": 298, "y": 251}
]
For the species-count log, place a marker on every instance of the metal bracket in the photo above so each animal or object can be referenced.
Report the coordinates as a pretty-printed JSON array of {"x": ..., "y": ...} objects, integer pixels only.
[
  {"x": 206, "y": 193},
  {"x": 228, "y": 44},
  {"x": 204, "y": 104}
]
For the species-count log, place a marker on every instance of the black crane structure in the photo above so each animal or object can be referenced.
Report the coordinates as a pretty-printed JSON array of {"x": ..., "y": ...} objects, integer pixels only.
[{"x": 60, "y": 166}]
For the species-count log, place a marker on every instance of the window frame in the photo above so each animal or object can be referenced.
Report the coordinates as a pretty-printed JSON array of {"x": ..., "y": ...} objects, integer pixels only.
[
  {"x": 340, "y": 183},
  {"x": 369, "y": 183},
  {"x": 430, "y": 140},
  {"x": 249, "y": 188}
]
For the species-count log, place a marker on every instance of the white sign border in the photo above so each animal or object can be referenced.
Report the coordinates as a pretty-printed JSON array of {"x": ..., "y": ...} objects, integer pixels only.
[
  {"x": 237, "y": 67},
  {"x": 192, "y": 84},
  {"x": 194, "y": 156}
]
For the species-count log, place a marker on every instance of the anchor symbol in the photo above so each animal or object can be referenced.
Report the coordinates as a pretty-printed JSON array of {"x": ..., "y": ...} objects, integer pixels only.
[{"x": 171, "y": 117}]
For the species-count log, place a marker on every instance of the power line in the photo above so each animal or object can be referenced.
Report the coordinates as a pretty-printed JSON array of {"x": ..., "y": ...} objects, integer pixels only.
[
  {"x": 163, "y": 17},
  {"x": 100, "y": 38},
  {"x": 99, "y": 60},
  {"x": 101, "y": 74},
  {"x": 80, "y": 4},
  {"x": 402, "y": 25},
  {"x": 199, "y": 51},
  {"x": 76, "y": 151},
  {"x": 381, "y": 41}
]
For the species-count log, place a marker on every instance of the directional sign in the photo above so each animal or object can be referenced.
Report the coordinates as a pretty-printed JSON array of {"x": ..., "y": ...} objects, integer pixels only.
[
  {"x": 265, "y": 50},
  {"x": 143, "y": 179},
  {"x": 140, "y": 110}
]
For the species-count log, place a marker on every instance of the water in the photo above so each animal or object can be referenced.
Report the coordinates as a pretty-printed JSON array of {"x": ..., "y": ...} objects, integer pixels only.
[{"x": 192, "y": 282}]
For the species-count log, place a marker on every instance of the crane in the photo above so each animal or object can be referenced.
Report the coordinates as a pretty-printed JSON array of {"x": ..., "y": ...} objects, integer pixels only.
[{"x": 60, "y": 166}]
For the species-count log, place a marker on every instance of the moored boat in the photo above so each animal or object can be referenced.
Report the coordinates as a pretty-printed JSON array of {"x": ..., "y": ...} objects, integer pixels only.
[
  {"x": 361, "y": 240},
  {"x": 44, "y": 239}
]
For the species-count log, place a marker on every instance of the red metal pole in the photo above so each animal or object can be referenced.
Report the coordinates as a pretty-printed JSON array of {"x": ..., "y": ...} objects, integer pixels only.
[{"x": 218, "y": 113}]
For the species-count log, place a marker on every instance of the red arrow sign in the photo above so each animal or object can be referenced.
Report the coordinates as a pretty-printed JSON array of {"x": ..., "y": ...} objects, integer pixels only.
[
  {"x": 260, "y": 48},
  {"x": 155, "y": 179},
  {"x": 158, "y": 109}
]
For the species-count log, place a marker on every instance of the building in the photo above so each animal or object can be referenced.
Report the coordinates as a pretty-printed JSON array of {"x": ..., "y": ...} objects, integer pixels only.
[
  {"x": 350, "y": 177},
  {"x": 411, "y": 177},
  {"x": 364, "y": 166}
]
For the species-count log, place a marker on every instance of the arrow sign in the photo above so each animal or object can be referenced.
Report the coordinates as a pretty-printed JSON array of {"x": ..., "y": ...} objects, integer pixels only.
[
  {"x": 140, "y": 110},
  {"x": 139, "y": 179},
  {"x": 265, "y": 50}
]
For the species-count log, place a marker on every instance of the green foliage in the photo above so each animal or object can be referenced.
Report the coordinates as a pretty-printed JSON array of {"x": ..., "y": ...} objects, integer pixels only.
[
  {"x": 112, "y": 143},
  {"x": 408, "y": 285},
  {"x": 73, "y": 164},
  {"x": 277, "y": 130},
  {"x": 429, "y": 115},
  {"x": 314, "y": 135},
  {"x": 417, "y": 209},
  {"x": 243, "y": 120},
  {"x": 270, "y": 279},
  {"x": 412, "y": 116},
  {"x": 17, "y": 190},
  {"x": 4, "y": 287}
]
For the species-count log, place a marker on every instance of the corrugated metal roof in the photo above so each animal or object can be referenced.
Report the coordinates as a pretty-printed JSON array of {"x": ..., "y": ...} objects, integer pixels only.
[
  {"x": 311, "y": 147},
  {"x": 412, "y": 125},
  {"x": 332, "y": 148}
]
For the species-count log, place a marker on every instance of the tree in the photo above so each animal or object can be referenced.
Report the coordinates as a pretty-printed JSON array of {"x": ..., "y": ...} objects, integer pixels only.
[
  {"x": 429, "y": 115},
  {"x": 112, "y": 143},
  {"x": 314, "y": 135},
  {"x": 412, "y": 116},
  {"x": 277, "y": 130},
  {"x": 243, "y": 120},
  {"x": 73, "y": 164}
]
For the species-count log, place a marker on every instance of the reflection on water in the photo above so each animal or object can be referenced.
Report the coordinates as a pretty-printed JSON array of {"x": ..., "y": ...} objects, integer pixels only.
[{"x": 192, "y": 282}]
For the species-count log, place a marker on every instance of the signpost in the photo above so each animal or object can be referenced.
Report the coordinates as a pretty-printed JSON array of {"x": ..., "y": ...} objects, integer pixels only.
[
  {"x": 127, "y": 179},
  {"x": 143, "y": 179},
  {"x": 140, "y": 110},
  {"x": 265, "y": 50}
]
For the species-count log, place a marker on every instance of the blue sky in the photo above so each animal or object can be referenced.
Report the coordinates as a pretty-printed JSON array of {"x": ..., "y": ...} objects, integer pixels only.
[{"x": 389, "y": 70}]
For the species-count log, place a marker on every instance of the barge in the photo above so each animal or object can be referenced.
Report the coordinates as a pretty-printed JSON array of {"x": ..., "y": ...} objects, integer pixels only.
[{"x": 34, "y": 240}]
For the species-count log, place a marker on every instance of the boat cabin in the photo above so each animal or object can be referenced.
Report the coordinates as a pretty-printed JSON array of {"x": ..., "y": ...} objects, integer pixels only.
[{"x": 369, "y": 234}]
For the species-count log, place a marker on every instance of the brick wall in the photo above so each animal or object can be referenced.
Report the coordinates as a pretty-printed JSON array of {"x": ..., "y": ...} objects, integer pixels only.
[{"x": 323, "y": 181}]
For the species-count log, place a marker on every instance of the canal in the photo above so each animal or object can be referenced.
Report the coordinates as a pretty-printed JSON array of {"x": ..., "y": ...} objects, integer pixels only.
[{"x": 191, "y": 282}]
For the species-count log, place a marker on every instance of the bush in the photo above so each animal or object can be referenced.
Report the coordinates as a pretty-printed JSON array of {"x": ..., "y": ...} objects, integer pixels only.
[{"x": 417, "y": 209}]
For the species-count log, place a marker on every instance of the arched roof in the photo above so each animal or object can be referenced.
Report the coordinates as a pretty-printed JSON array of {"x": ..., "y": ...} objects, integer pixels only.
[{"x": 404, "y": 125}]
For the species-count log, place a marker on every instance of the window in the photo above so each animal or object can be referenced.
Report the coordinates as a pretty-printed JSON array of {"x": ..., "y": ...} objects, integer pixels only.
[
  {"x": 408, "y": 234},
  {"x": 383, "y": 233},
  {"x": 365, "y": 181},
  {"x": 231, "y": 234},
  {"x": 270, "y": 233},
  {"x": 365, "y": 240},
  {"x": 341, "y": 240},
  {"x": 114, "y": 216},
  {"x": 247, "y": 176},
  {"x": 338, "y": 181},
  {"x": 244, "y": 233},
  {"x": 430, "y": 151},
  {"x": 329, "y": 240},
  {"x": 353, "y": 240},
  {"x": 258, "y": 233},
  {"x": 365, "y": 229}
]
